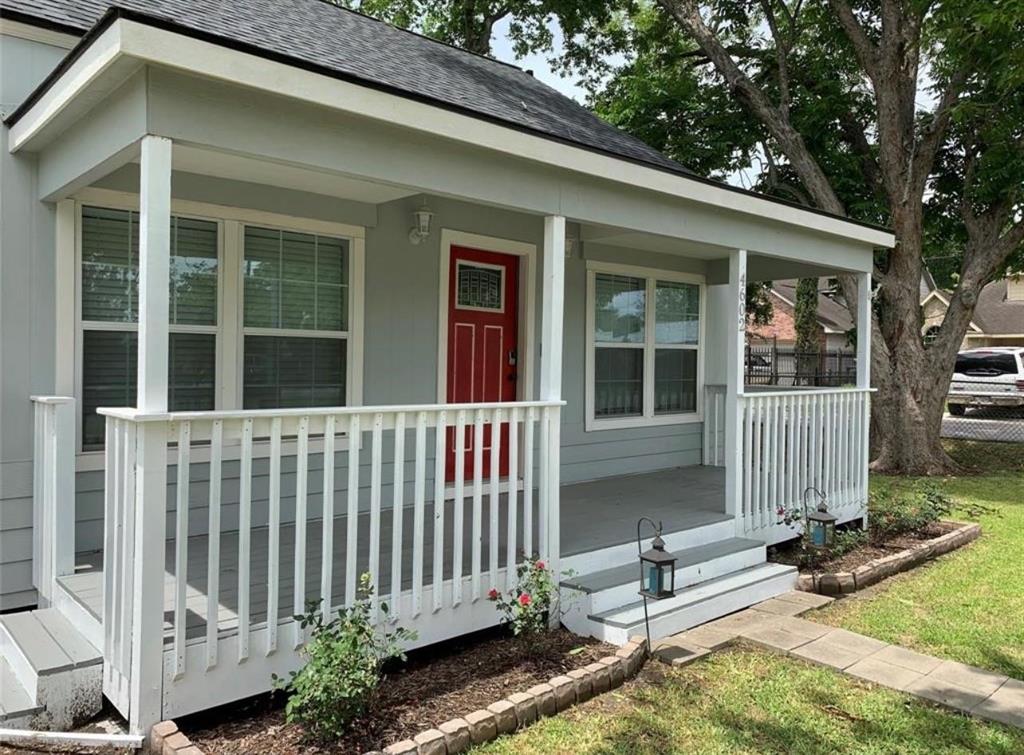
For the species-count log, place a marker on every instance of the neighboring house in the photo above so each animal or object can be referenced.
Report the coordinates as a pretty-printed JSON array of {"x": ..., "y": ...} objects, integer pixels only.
[
  {"x": 998, "y": 316},
  {"x": 484, "y": 321},
  {"x": 834, "y": 320}
]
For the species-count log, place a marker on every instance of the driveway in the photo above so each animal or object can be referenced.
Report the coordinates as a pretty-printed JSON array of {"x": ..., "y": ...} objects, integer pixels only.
[{"x": 985, "y": 424}]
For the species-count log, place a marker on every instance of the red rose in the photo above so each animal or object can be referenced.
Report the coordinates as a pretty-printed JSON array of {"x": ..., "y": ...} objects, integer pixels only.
[
  {"x": 524, "y": 600},
  {"x": 539, "y": 564},
  {"x": 493, "y": 594}
]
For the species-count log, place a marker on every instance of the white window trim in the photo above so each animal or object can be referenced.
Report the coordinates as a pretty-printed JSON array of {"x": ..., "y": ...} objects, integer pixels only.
[
  {"x": 649, "y": 418},
  {"x": 229, "y": 330}
]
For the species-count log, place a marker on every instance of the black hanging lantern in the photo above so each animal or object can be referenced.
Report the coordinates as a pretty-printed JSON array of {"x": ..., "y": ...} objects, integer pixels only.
[
  {"x": 658, "y": 571},
  {"x": 821, "y": 525}
]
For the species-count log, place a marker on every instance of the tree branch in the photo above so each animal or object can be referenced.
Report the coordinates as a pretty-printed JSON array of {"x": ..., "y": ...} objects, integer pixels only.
[
  {"x": 686, "y": 13},
  {"x": 863, "y": 47},
  {"x": 935, "y": 131}
]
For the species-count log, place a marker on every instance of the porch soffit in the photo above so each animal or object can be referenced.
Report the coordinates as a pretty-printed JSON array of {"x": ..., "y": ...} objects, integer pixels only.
[{"x": 125, "y": 45}]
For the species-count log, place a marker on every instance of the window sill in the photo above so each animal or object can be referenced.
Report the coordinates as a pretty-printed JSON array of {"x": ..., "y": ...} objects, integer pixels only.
[{"x": 594, "y": 424}]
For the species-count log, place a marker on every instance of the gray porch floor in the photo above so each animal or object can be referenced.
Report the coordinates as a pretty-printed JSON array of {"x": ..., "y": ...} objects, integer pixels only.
[{"x": 594, "y": 515}]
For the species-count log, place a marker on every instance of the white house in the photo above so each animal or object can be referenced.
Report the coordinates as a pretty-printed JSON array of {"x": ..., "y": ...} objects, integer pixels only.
[{"x": 374, "y": 246}]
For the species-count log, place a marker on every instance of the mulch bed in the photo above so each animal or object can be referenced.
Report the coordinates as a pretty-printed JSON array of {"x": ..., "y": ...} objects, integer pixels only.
[
  {"x": 789, "y": 553},
  {"x": 434, "y": 686}
]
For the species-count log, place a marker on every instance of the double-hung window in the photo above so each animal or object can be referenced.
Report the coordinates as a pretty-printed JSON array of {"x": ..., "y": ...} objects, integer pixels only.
[
  {"x": 296, "y": 315},
  {"x": 644, "y": 364},
  {"x": 110, "y": 314},
  {"x": 261, "y": 315}
]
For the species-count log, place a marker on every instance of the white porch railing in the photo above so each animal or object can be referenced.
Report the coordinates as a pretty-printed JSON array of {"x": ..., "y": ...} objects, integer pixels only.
[
  {"x": 53, "y": 493},
  {"x": 793, "y": 440},
  {"x": 222, "y": 661}
]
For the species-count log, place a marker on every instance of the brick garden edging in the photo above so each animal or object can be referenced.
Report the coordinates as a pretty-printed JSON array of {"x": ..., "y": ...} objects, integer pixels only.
[
  {"x": 166, "y": 739},
  {"x": 880, "y": 568},
  {"x": 521, "y": 709}
]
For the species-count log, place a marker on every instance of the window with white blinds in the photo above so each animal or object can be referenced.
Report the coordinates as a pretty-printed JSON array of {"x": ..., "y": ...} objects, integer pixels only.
[
  {"x": 295, "y": 317},
  {"x": 110, "y": 311},
  {"x": 293, "y": 296},
  {"x": 644, "y": 361}
]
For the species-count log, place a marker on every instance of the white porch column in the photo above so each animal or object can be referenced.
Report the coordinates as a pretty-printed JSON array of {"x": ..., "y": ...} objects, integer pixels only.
[
  {"x": 864, "y": 382},
  {"x": 146, "y": 693},
  {"x": 864, "y": 330},
  {"x": 736, "y": 328},
  {"x": 553, "y": 307}
]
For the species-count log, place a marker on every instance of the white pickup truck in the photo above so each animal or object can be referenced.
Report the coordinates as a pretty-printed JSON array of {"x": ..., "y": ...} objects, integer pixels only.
[{"x": 985, "y": 377}]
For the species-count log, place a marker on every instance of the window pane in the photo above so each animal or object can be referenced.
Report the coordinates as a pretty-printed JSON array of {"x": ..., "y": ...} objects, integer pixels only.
[
  {"x": 110, "y": 268},
  {"x": 675, "y": 381},
  {"x": 109, "y": 265},
  {"x": 194, "y": 272},
  {"x": 619, "y": 309},
  {"x": 293, "y": 372},
  {"x": 295, "y": 280},
  {"x": 109, "y": 377},
  {"x": 262, "y": 273},
  {"x": 677, "y": 313},
  {"x": 479, "y": 287},
  {"x": 618, "y": 382}
]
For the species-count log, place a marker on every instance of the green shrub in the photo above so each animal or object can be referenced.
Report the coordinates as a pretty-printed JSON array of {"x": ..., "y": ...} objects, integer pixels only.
[
  {"x": 345, "y": 656},
  {"x": 846, "y": 540},
  {"x": 525, "y": 608},
  {"x": 897, "y": 511}
]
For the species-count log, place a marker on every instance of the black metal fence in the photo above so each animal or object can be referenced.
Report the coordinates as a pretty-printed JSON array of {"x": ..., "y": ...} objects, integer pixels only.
[
  {"x": 782, "y": 366},
  {"x": 990, "y": 409}
]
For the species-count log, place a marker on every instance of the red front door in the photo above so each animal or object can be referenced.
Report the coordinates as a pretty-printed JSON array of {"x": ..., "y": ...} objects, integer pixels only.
[{"x": 483, "y": 307}]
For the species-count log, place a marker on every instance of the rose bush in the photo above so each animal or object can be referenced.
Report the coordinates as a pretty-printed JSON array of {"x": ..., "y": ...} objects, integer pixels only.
[{"x": 526, "y": 607}]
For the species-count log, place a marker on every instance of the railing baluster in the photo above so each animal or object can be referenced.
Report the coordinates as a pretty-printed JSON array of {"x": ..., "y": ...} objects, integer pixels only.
[
  {"x": 274, "y": 534},
  {"x": 301, "y": 501},
  {"x": 528, "y": 428},
  {"x": 758, "y": 465},
  {"x": 244, "y": 539},
  {"x": 511, "y": 533},
  {"x": 181, "y": 546},
  {"x": 478, "y": 493},
  {"x": 746, "y": 408},
  {"x": 327, "y": 518},
  {"x": 111, "y": 524},
  {"x": 373, "y": 566},
  {"x": 213, "y": 542},
  {"x": 397, "y": 515},
  {"x": 352, "y": 517},
  {"x": 440, "y": 457},
  {"x": 543, "y": 487},
  {"x": 494, "y": 502},
  {"x": 419, "y": 493},
  {"x": 458, "y": 504}
]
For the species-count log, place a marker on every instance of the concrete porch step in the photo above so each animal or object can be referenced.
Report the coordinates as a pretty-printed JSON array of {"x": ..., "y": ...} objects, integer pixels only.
[
  {"x": 696, "y": 604},
  {"x": 59, "y": 671},
  {"x": 618, "y": 586}
]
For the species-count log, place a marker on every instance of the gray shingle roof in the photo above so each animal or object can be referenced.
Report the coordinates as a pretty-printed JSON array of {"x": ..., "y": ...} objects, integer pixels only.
[
  {"x": 832, "y": 311},
  {"x": 316, "y": 33},
  {"x": 997, "y": 315}
]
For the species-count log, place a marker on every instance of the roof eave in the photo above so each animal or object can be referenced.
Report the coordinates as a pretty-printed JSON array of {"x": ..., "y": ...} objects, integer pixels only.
[{"x": 641, "y": 174}]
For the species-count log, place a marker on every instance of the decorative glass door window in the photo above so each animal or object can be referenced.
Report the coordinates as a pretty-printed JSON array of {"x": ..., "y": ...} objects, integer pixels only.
[
  {"x": 644, "y": 367},
  {"x": 110, "y": 313},
  {"x": 480, "y": 286},
  {"x": 295, "y": 317}
]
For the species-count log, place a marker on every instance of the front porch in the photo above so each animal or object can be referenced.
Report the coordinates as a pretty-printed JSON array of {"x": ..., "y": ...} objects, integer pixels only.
[{"x": 595, "y": 515}]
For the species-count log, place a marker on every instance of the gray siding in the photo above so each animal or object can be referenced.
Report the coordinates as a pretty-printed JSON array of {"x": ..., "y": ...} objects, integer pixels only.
[{"x": 26, "y": 319}]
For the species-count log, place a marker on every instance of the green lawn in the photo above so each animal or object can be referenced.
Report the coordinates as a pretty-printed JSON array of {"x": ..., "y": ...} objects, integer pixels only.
[
  {"x": 743, "y": 700},
  {"x": 968, "y": 605}
]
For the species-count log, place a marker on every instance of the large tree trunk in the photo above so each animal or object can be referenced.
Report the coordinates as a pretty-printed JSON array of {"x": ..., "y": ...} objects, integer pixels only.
[{"x": 911, "y": 382}]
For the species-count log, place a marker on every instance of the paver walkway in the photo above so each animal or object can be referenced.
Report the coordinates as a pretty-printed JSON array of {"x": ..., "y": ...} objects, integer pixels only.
[{"x": 774, "y": 624}]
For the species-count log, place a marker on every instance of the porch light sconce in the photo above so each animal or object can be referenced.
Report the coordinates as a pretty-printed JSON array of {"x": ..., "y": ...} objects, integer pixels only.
[
  {"x": 657, "y": 570},
  {"x": 821, "y": 525},
  {"x": 421, "y": 229}
]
